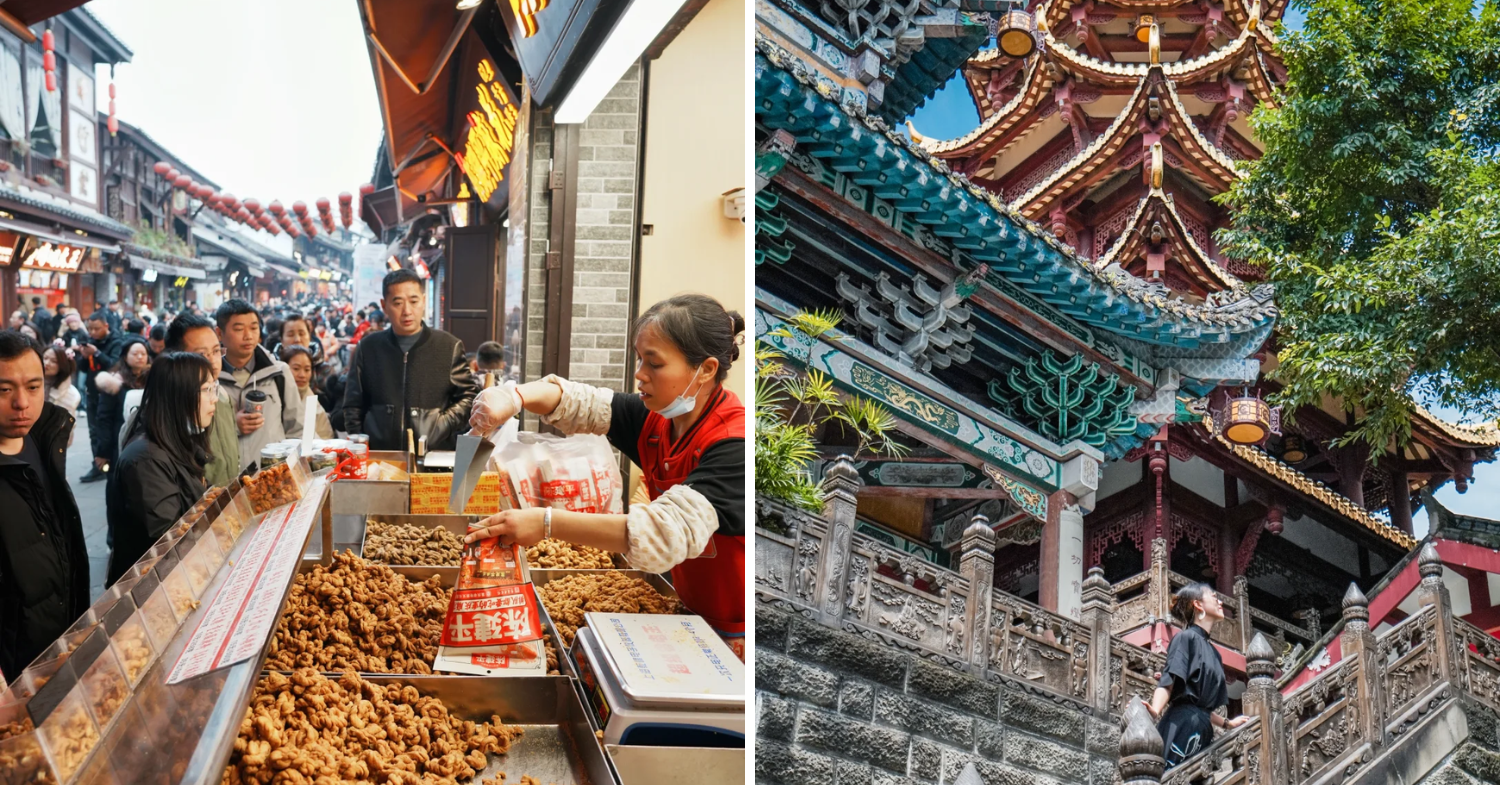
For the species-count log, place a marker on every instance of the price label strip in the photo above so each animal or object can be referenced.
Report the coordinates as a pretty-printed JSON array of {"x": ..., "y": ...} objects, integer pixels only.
[{"x": 240, "y": 616}]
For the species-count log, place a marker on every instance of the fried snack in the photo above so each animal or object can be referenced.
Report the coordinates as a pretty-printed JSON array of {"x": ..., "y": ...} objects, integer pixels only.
[
  {"x": 360, "y": 616},
  {"x": 568, "y": 599},
  {"x": 71, "y": 736},
  {"x": 271, "y": 487},
  {"x": 21, "y": 759},
  {"x": 405, "y": 543},
  {"x": 133, "y": 648},
  {"x": 554, "y": 554},
  {"x": 306, "y": 727}
]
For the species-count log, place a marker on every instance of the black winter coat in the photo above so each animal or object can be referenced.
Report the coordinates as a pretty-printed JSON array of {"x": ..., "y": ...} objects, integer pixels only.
[
  {"x": 147, "y": 492},
  {"x": 428, "y": 390},
  {"x": 44, "y": 563}
]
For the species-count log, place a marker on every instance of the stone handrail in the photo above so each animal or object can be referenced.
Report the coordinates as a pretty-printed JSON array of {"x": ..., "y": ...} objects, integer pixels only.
[
  {"x": 1340, "y": 726},
  {"x": 818, "y": 566}
]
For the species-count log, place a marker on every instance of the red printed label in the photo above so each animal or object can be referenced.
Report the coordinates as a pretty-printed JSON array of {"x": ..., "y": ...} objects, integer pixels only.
[{"x": 492, "y": 617}]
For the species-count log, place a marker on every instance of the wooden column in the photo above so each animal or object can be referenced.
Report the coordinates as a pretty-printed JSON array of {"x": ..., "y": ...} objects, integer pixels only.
[
  {"x": 840, "y": 487},
  {"x": 1400, "y": 501},
  {"x": 1228, "y": 546},
  {"x": 1158, "y": 522},
  {"x": 1060, "y": 582},
  {"x": 976, "y": 561}
]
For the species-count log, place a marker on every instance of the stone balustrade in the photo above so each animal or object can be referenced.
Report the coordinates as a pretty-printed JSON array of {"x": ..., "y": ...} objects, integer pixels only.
[
  {"x": 1387, "y": 711},
  {"x": 825, "y": 570}
]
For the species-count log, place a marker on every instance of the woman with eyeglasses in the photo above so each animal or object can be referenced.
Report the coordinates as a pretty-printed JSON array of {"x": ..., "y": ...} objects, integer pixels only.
[{"x": 159, "y": 474}]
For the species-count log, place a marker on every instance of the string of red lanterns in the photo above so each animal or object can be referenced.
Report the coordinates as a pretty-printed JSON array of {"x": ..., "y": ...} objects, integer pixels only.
[
  {"x": 273, "y": 217},
  {"x": 49, "y": 59}
]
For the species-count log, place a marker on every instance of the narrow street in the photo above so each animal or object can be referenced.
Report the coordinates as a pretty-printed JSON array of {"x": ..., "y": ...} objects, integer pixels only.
[{"x": 90, "y": 498}]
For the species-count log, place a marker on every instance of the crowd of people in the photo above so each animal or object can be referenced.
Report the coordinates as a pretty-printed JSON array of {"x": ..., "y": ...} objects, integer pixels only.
[{"x": 179, "y": 402}]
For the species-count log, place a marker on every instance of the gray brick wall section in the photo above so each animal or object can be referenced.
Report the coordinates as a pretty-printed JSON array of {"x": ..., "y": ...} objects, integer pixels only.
[
  {"x": 608, "y": 152},
  {"x": 536, "y": 263},
  {"x": 836, "y": 709}
]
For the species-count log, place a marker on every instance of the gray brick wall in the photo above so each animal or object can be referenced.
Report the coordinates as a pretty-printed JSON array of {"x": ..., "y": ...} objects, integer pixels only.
[
  {"x": 608, "y": 151},
  {"x": 836, "y": 709},
  {"x": 536, "y": 264}
]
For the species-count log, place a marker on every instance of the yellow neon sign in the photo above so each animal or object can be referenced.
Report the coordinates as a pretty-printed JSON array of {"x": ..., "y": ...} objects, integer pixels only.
[
  {"x": 526, "y": 11},
  {"x": 492, "y": 135}
]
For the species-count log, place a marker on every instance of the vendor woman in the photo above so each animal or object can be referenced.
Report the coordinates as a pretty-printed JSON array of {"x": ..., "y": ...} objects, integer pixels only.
[{"x": 685, "y": 431}]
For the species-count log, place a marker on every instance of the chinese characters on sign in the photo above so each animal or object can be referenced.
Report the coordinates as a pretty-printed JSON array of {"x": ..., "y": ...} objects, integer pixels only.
[
  {"x": 526, "y": 11},
  {"x": 49, "y": 256},
  {"x": 491, "y": 134}
]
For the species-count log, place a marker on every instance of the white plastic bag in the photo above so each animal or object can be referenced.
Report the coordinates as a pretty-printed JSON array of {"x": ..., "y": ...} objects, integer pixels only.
[{"x": 577, "y": 473}]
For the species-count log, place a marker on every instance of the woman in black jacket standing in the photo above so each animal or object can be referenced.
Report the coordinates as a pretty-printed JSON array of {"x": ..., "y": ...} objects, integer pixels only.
[
  {"x": 129, "y": 373},
  {"x": 159, "y": 474}
]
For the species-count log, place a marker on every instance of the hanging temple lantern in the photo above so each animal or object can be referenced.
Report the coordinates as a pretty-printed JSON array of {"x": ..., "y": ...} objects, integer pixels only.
[
  {"x": 1247, "y": 420},
  {"x": 1143, "y": 25},
  {"x": 1016, "y": 33},
  {"x": 1293, "y": 449}
]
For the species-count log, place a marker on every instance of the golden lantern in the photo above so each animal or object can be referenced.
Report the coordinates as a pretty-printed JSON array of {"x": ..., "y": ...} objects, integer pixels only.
[
  {"x": 1016, "y": 33},
  {"x": 1293, "y": 449},
  {"x": 1248, "y": 420},
  {"x": 1143, "y": 25}
]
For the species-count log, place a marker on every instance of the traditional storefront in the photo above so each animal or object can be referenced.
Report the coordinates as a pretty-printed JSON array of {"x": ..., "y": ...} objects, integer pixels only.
[{"x": 56, "y": 250}]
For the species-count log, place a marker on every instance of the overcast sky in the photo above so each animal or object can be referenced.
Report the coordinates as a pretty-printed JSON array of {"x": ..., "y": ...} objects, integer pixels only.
[{"x": 272, "y": 99}]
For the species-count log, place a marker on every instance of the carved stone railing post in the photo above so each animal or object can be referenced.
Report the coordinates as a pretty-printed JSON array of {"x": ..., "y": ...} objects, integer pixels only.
[
  {"x": 1141, "y": 747},
  {"x": 1098, "y": 604},
  {"x": 841, "y": 486},
  {"x": 1359, "y": 646},
  {"x": 1266, "y": 766},
  {"x": 976, "y": 561},
  {"x": 1242, "y": 610},
  {"x": 1431, "y": 591}
]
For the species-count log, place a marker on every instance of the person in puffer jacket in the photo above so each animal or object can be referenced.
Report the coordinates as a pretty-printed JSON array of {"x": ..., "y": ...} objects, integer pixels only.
[
  {"x": 248, "y": 366},
  {"x": 687, "y": 433}
]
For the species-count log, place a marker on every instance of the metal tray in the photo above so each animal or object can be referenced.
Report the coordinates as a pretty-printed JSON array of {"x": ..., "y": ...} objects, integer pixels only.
[
  {"x": 541, "y": 577},
  {"x": 449, "y": 576},
  {"x": 559, "y": 745}
]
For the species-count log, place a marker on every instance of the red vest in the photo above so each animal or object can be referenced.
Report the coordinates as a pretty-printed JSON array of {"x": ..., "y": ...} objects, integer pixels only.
[{"x": 713, "y": 584}]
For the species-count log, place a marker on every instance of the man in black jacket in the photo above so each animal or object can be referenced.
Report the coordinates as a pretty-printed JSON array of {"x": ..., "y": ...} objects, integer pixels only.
[
  {"x": 100, "y": 354},
  {"x": 410, "y": 377},
  {"x": 44, "y": 566}
]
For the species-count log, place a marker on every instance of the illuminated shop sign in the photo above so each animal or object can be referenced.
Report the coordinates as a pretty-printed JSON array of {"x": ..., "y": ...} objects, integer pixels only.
[
  {"x": 526, "y": 11},
  {"x": 492, "y": 134},
  {"x": 51, "y": 256}
]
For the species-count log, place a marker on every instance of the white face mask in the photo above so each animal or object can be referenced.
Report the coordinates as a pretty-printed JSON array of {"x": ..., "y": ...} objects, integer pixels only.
[{"x": 683, "y": 404}]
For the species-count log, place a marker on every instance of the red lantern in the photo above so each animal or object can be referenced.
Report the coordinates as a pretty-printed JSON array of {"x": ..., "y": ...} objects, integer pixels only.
[
  {"x": 182, "y": 181},
  {"x": 346, "y": 199},
  {"x": 276, "y": 208},
  {"x": 49, "y": 60},
  {"x": 273, "y": 230},
  {"x": 113, "y": 124},
  {"x": 367, "y": 189},
  {"x": 312, "y": 231},
  {"x": 161, "y": 168},
  {"x": 253, "y": 205},
  {"x": 300, "y": 208}
]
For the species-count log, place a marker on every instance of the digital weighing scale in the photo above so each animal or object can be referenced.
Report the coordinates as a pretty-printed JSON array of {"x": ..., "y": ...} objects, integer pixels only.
[{"x": 661, "y": 680}]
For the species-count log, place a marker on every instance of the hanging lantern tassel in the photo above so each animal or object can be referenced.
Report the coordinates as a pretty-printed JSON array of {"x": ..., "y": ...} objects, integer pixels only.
[{"x": 114, "y": 123}]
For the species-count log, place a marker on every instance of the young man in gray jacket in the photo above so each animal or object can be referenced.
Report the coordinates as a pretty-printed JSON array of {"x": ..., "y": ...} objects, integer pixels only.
[{"x": 248, "y": 366}]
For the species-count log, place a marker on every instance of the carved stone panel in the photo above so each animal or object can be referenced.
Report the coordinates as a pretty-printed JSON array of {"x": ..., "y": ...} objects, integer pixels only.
[
  {"x": 1032, "y": 644},
  {"x": 774, "y": 569}
]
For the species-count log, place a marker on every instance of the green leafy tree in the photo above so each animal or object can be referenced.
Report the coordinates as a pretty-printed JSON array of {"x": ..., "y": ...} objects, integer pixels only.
[
  {"x": 1374, "y": 209},
  {"x": 792, "y": 409}
]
